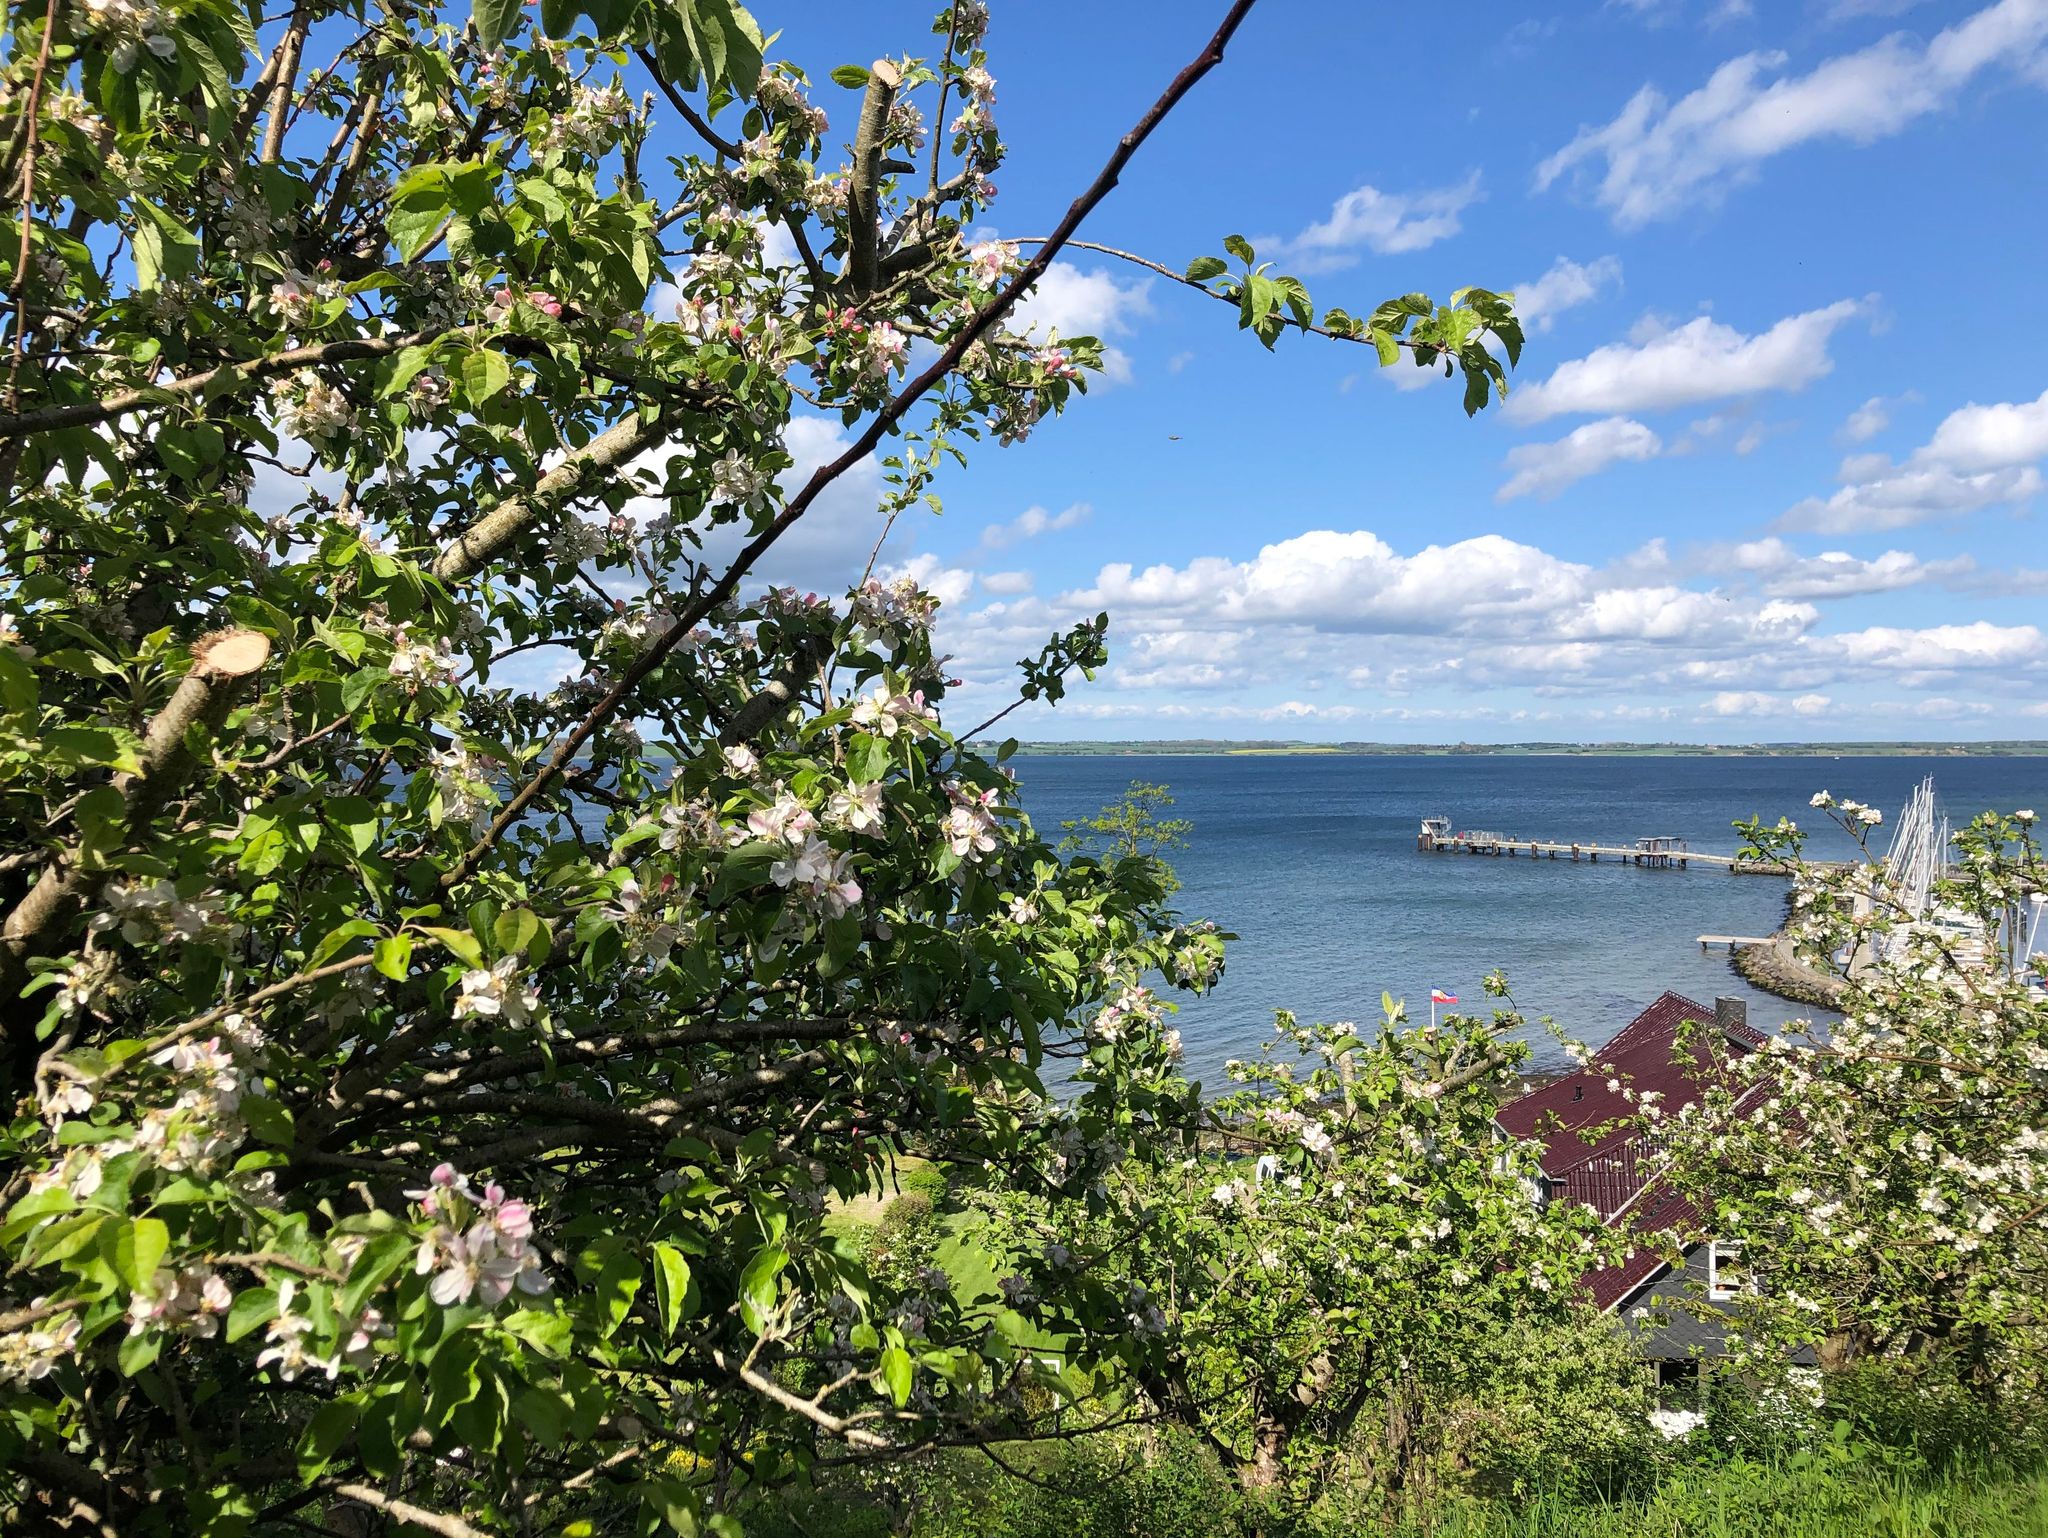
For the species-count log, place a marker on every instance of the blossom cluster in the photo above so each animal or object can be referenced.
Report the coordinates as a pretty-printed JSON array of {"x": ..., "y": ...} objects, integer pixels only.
[
  {"x": 892, "y": 610},
  {"x": 886, "y": 713},
  {"x": 153, "y": 913},
  {"x": 592, "y": 122},
  {"x": 480, "y": 1244},
  {"x": 969, "y": 826},
  {"x": 36, "y": 1349},
  {"x": 310, "y": 408},
  {"x": 497, "y": 992}
]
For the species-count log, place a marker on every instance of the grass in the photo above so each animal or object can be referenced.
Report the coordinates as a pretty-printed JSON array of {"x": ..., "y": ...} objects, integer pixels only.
[
  {"x": 1751, "y": 1500},
  {"x": 1077, "y": 1495}
]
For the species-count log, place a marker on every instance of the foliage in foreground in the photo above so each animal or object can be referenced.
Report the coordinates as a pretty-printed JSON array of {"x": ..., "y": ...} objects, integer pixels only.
[
  {"x": 1888, "y": 1176},
  {"x": 427, "y": 1082}
]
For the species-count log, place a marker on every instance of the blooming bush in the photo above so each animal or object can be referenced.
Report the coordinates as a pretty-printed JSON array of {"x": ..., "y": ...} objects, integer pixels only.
[
  {"x": 459, "y": 934},
  {"x": 1886, "y": 1176}
]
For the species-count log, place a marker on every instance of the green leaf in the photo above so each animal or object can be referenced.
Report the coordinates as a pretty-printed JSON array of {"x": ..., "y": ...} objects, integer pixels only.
[
  {"x": 1203, "y": 268},
  {"x": 340, "y": 935},
  {"x": 852, "y": 76},
  {"x": 617, "y": 1285},
  {"x": 543, "y": 1412},
  {"x": 256, "y": 1306},
  {"x": 460, "y": 942},
  {"x": 671, "y": 1285},
  {"x": 747, "y": 866},
  {"x": 518, "y": 931},
  {"x": 270, "y": 1122},
  {"x": 758, "y": 1286},
  {"x": 897, "y": 1372},
  {"x": 137, "y": 1248},
  {"x": 495, "y": 21},
  {"x": 138, "y": 1352},
  {"x": 1240, "y": 248},
  {"x": 394, "y": 956},
  {"x": 484, "y": 373},
  {"x": 324, "y": 1434},
  {"x": 377, "y": 1264}
]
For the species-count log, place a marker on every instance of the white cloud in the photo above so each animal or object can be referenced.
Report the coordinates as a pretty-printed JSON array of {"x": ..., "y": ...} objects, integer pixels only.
[
  {"x": 951, "y": 585},
  {"x": 1658, "y": 158},
  {"x": 1782, "y": 572},
  {"x": 1980, "y": 456},
  {"x": 1701, "y": 360},
  {"x": 1896, "y": 501},
  {"x": 1384, "y": 223},
  {"x": 1032, "y": 522},
  {"x": 1753, "y": 702},
  {"x": 1006, "y": 582},
  {"x": 1996, "y": 437},
  {"x": 1545, "y": 469},
  {"x": 1343, "y": 619},
  {"x": 1939, "y": 648},
  {"x": 1076, "y": 303},
  {"x": 1867, "y": 420},
  {"x": 1565, "y": 286}
]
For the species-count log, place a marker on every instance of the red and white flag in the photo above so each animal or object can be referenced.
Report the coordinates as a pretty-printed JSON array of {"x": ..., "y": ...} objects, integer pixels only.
[{"x": 1438, "y": 996}]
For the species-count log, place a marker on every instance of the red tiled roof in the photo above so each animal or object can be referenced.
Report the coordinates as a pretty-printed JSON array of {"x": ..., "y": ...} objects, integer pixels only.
[
  {"x": 1593, "y": 1151},
  {"x": 1565, "y": 1114}
]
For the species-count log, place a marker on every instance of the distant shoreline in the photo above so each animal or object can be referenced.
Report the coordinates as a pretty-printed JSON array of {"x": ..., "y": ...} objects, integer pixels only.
[{"x": 1207, "y": 748}]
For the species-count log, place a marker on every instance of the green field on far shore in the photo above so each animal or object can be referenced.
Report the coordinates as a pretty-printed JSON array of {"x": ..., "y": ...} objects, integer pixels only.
[{"x": 1222, "y": 747}]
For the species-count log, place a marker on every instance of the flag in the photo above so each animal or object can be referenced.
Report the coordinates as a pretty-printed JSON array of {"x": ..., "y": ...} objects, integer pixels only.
[{"x": 1438, "y": 996}]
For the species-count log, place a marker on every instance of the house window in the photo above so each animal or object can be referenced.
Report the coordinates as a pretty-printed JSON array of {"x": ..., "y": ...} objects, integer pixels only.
[{"x": 1726, "y": 1275}]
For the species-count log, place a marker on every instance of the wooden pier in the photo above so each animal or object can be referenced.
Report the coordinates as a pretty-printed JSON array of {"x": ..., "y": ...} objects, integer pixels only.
[
  {"x": 1662, "y": 853},
  {"x": 1734, "y": 942}
]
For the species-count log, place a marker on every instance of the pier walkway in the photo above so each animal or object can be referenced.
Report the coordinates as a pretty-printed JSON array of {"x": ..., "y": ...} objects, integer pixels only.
[{"x": 1651, "y": 852}]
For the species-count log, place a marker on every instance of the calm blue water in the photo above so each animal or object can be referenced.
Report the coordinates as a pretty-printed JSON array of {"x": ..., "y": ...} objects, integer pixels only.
[{"x": 1312, "y": 861}]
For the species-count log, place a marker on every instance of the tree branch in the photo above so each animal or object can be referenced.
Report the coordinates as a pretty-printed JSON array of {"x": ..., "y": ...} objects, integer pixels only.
[
  {"x": 884, "y": 420},
  {"x": 1185, "y": 281},
  {"x": 202, "y": 701},
  {"x": 864, "y": 188},
  {"x": 232, "y": 376}
]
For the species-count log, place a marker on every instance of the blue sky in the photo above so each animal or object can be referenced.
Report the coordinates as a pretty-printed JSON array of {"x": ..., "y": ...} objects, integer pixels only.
[{"x": 1771, "y": 467}]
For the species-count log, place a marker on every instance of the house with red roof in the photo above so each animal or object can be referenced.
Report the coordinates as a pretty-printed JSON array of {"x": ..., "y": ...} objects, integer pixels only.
[{"x": 1596, "y": 1151}]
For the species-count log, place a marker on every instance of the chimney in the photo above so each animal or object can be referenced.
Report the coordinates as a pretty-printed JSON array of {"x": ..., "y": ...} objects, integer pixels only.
[{"x": 1730, "y": 1015}]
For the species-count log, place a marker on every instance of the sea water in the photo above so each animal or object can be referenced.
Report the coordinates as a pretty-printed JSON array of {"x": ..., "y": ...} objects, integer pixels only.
[{"x": 1312, "y": 861}]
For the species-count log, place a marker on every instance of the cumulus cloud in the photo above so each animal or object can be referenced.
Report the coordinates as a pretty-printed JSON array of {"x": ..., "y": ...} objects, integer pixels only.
[
  {"x": 1936, "y": 649},
  {"x": 1565, "y": 286},
  {"x": 1867, "y": 420},
  {"x": 1702, "y": 360},
  {"x": 1071, "y": 302},
  {"x": 1980, "y": 456},
  {"x": 1383, "y": 223},
  {"x": 1996, "y": 437},
  {"x": 1782, "y": 572},
  {"x": 1545, "y": 469},
  {"x": 1753, "y": 702},
  {"x": 1344, "y": 619},
  {"x": 1658, "y": 158},
  {"x": 951, "y": 585},
  {"x": 1006, "y": 582},
  {"x": 1910, "y": 496},
  {"x": 1032, "y": 522}
]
